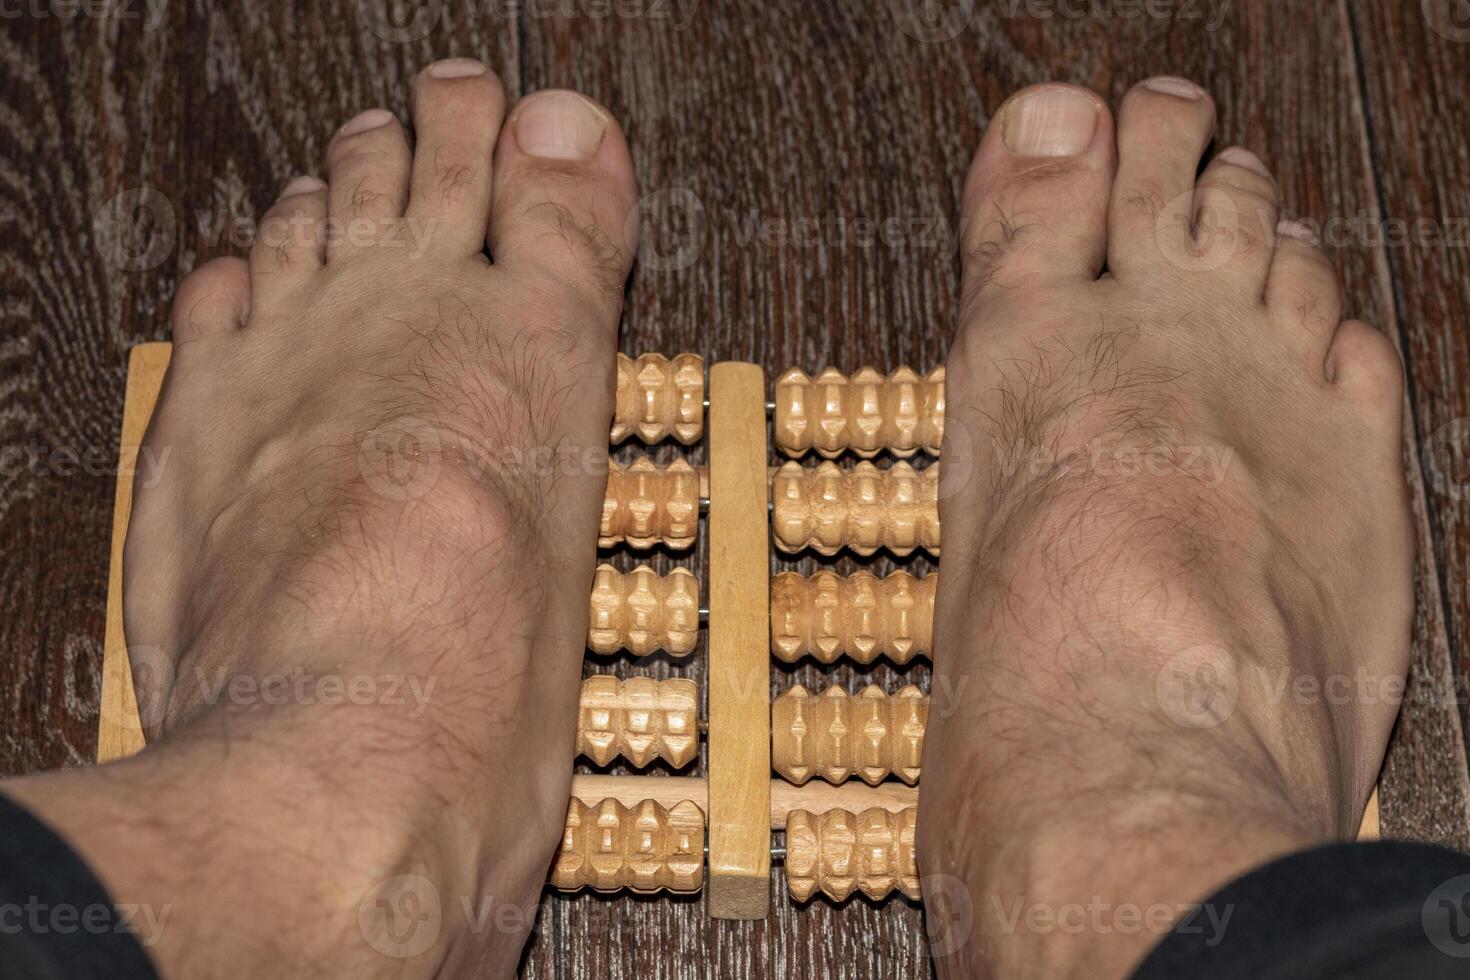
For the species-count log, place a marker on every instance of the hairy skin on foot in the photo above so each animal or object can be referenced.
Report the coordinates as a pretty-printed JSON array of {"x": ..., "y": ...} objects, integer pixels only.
[
  {"x": 387, "y": 439},
  {"x": 1171, "y": 490}
]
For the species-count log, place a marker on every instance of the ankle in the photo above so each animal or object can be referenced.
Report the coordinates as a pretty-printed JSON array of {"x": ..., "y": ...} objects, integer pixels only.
[
  {"x": 1123, "y": 691},
  {"x": 359, "y": 814},
  {"x": 1086, "y": 886},
  {"x": 427, "y": 783}
]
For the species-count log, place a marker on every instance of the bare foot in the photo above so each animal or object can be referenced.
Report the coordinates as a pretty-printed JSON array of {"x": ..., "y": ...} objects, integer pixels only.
[
  {"x": 1177, "y": 556},
  {"x": 364, "y": 572}
]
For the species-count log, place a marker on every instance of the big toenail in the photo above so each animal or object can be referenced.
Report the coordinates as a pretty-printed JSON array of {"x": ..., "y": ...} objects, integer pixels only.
[
  {"x": 364, "y": 121},
  {"x": 302, "y": 185},
  {"x": 456, "y": 68},
  {"x": 1181, "y": 88},
  {"x": 560, "y": 126},
  {"x": 1242, "y": 157},
  {"x": 1050, "y": 122}
]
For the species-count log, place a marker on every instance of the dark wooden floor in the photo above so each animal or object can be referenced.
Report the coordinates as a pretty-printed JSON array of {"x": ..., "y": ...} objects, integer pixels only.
[{"x": 760, "y": 114}]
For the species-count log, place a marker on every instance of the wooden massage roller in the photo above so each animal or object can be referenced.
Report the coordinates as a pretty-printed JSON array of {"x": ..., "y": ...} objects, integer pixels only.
[
  {"x": 663, "y": 397},
  {"x": 845, "y": 766}
]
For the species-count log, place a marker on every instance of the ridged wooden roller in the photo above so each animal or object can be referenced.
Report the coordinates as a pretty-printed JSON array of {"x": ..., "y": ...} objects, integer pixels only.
[
  {"x": 645, "y": 848},
  {"x": 859, "y": 616},
  {"x": 659, "y": 397},
  {"x": 641, "y": 611},
  {"x": 839, "y": 852},
  {"x": 835, "y": 735},
  {"x": 828, "y": 508},
  {"x": 640, "y": 719},
  {"x": 647, "y": 504},
  {"x": 865, "y": 414}
]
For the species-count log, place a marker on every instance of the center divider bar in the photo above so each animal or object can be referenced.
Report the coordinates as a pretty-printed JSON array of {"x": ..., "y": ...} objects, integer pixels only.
[{"x": 739, "y": 669}]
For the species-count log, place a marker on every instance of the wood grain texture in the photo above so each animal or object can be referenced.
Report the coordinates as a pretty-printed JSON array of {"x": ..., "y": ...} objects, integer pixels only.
[
  {"x": 1413, "y": 59},
  {"x": 745, "y": 119}
]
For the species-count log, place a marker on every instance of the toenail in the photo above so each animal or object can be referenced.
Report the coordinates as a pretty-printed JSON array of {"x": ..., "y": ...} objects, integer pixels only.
[
  {"x": 560, "y": 126},
  {"x": 302, "y": 185},
  {"x": 1181, "y": 88},
  {"x": 1299, "y": 230},
  {"x": 1242, "y": 157},
  {"x": 1050, "y": 122},
  {"x": 364, "y": 121},
  {"x": 456, "y": 68}
]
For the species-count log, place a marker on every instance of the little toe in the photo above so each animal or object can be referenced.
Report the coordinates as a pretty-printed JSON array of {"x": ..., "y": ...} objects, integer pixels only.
[
  {"x": 289, "y": 248},
  {"x": 1036, "y": 199},
  {"x": 1302, "y": 289},
  {"x": 213, "y": 301},
  {"x": 458, "y": 107},
  {"x": 1363, "y": 362},
  {"x": 565, "y": 198},
  {"x": 368, "y": 164},
  {"x": 1164, "y": 125},
  {"x": 1236, "y": 206}
]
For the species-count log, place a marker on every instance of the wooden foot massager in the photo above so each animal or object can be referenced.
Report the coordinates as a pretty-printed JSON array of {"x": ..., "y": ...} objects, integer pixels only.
[{"x": 848, "y": 764}]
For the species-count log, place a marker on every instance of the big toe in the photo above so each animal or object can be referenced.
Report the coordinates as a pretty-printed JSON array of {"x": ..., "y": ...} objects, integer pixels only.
[
  {"x": 565, "y": 202},
  {"x": 1035, "y": 205}
]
